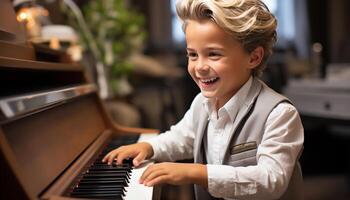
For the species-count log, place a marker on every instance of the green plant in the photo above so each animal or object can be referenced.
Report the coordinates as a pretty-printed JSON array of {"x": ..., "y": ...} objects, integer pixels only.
[{"x": 117, "y": 31}]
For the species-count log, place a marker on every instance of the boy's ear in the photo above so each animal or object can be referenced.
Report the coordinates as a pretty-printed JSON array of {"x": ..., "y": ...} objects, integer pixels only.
[{"x": 256, "y": 57}]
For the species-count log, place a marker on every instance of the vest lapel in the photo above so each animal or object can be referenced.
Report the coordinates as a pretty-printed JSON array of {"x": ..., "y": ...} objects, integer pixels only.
[
  {"x": 202, "y": 123},
  {"x": 242, "y": 112}
]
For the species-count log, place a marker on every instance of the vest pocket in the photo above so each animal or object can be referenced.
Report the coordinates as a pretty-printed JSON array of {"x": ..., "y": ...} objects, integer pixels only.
[
  {"x": 243, "y": 154},
  {"x": 238, "y": 148}
]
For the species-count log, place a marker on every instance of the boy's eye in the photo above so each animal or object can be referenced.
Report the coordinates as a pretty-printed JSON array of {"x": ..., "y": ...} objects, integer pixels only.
[
  {"x": 191, "y": 55},
  {"x": 214, "y": 54}
]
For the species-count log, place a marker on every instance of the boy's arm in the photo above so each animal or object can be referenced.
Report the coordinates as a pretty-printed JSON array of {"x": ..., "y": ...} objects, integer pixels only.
[
  {"x": 198, "y": 174},
  {"x": 176, "y": 174}
]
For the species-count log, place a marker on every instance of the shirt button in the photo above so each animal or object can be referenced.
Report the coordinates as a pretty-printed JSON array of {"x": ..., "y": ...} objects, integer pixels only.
[{"x": 218, "y": 131}]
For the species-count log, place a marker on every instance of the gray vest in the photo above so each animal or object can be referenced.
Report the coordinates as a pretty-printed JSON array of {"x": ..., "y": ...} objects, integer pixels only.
[{"x": 248, "y": 127}]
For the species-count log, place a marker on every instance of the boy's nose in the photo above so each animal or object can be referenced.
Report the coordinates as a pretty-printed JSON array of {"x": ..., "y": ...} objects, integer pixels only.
[{"x": 201, "y": 65}]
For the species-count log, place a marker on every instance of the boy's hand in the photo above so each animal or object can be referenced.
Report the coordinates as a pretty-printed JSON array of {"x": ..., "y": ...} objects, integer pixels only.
[
  {"x": 139, "y": 151},
  {"x": 175, "y": 173}
]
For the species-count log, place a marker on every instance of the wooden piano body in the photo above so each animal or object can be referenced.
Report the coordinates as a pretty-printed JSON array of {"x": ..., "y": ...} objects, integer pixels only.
[
  {"x": 48, "y": 136},
  {"x": 53, "y": 124}
]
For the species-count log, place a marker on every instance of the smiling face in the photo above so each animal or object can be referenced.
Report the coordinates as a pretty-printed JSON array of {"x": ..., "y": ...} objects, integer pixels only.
[{"x": 216, "y": 61}]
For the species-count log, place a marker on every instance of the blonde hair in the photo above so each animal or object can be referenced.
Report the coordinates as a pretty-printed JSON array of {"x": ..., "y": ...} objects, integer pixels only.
[{"x": 248, "y": 21}]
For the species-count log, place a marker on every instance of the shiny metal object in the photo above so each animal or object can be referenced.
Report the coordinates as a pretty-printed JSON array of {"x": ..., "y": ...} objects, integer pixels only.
[{"x": 15, "y": 106}]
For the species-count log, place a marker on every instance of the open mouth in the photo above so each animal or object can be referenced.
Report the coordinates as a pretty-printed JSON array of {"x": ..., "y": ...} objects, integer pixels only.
[{"x": 209, "y": 81}]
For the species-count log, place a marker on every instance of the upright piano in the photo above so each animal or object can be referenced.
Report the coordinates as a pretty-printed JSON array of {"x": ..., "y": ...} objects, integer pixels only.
[{"x": 54, "y": 130}]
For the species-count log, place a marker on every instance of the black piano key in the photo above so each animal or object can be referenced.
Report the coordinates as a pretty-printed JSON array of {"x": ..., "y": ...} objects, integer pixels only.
[
  {"x": 107, "y": 173},
  {"x": 119, "y": 192},
  {"x": 99, "y": 170},
  {"x": 99, "y": 189},
  {"x": 98, "y": 186},
  {"x": 82, "y": 189},
  {"x": 104, "y": 178},
  {"x": 112, "y": 165},
  {"x": 107, "y": 192},
  {"x": 108, "y": 168},
  {"x": 105, "y": 181},
  {"x": 100, "y": 196},
  {"x": 104, "y": 175},
  {"x": 94, "y": 168},
  {"x": 91, "y": 178},
  {"x": 105, "y": 165}
]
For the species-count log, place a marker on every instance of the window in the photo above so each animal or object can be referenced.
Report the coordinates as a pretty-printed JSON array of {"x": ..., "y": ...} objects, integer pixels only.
[
  {"x": 283, "y": 10},
  {"x": 177, "y": 33}
]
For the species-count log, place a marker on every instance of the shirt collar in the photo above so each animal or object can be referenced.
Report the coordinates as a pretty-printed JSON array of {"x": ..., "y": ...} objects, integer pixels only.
[{"x": 232, "y": 106}]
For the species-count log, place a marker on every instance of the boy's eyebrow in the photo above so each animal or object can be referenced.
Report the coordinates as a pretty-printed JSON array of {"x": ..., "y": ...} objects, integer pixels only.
[
  {"x": 209, "y": 48},
  {"x": 215, "y": 48}
]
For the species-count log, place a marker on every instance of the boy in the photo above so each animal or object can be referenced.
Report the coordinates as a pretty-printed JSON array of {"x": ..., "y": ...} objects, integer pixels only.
[{"x": 245, "y": 138}]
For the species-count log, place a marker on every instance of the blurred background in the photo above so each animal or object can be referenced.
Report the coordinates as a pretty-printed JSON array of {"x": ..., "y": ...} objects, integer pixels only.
[{"x": 135, "y": 53}]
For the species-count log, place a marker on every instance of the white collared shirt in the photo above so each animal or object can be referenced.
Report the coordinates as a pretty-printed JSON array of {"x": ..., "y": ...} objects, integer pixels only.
[
  {"x": 283, "y": 138},
  {"x": 221, "y": 122}
]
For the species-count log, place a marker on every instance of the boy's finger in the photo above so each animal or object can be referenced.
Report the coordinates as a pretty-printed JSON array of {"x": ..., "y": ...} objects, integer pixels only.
[
  {"x": 123, "y": 156},
  {"x": 138, "y": 159},
  {"x": 109, "y": 154},
  {"x": 147, "y": 172},
  {"x": 158, "y": 180},
  {"x": 106, "y": 157},
  {"x": 111, "y": 158},
  {"x": 156, "y": 173},
  {"x": 112, "y": 155}
]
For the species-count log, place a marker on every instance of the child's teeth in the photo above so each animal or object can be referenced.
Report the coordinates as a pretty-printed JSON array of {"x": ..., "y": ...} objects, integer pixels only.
[{"x": 208, "y": 80}]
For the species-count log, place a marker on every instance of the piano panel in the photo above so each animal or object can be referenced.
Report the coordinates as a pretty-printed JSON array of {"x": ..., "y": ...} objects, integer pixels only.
[
  {"x": 57, "y": 138},
  {"x": 10, "y": 186}
]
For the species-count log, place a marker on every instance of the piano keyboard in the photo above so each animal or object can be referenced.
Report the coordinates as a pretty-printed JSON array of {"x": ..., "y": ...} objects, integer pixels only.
[{"x": 102, "y": 181}]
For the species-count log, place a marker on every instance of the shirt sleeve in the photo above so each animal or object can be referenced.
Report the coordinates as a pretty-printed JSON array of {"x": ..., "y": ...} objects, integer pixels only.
[
  {"x": 177, "y": 143},
  {"x": 276, "y": 158}
]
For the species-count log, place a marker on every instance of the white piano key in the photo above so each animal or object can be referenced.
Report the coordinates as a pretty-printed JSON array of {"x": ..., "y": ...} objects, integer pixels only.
[{"x": 135, "y": 190}]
